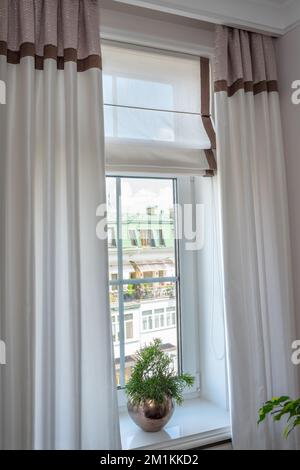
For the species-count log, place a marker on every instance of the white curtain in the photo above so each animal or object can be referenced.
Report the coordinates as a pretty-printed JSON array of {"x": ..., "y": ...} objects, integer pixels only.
[
  {"x": 58, "y": 388},
  {"x": 256, "y": 245}
]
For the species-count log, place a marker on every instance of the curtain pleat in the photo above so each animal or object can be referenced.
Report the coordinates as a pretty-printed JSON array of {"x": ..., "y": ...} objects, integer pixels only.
[{"x": 58, "y": 387}]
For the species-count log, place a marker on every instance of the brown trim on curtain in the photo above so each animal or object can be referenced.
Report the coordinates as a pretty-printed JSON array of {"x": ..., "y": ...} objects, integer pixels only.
[
  {"x": 249, "y": 87},
  {"x": 210, "y": 157},
  {"x": 205, "y": 87},
  {"x": 206, "y": 116},
  {"x": 208, "y": 126},
  {"x": 209, "y": 173},
  {"x": 50, "y": 52}
]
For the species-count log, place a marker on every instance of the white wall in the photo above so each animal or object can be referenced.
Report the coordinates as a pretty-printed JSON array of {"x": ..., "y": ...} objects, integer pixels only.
[
  {"x": 210, "y": 298},
  {"x": 201, "y": 294},
  {"x": 288, "y": 57},
  {"x": 273, "y": 16}
]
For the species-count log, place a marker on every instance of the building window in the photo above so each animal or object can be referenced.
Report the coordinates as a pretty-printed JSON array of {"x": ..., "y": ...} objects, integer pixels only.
[
  {"x": 156, "y": 321},
  {"x": 147, "y": 238},
  {"x": 157, "y": 316},
  {"x": 132, "y": 236},
  {"x": 144, "y": 238},
  {"x": 115, "y": 329},
  {"x": 111, "y": 236},
  {"x": 160, "y": 318},
  {"x": 171, "y": 316},
  {"x": 161, "y": 237},
  {"x": 148, "y": 302},
  {"x": 146, "y": 316},
  {"x": 114, "y": 277},
  {"x": 129, "y": 326}
]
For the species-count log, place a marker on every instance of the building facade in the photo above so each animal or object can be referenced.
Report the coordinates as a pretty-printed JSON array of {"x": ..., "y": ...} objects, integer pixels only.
[{"x": 150, "y": 307}]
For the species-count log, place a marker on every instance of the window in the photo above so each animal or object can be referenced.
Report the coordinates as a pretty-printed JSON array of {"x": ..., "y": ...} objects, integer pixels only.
[
  {"x": 146, "y": 316},
  {"x": 161, "y": 237},
  {"x": 147, "y": 238},
  {"x": 142, "y": 310},
  {"x": 128, "y": 327},
  {"x": 157, "y": 320},
  {"x": 154, "y": 126},
  {"x": 111, "y": 237},
  {"x": 114, "y": 277},
  {"x": 160, "y": 318},
  {"x": 115, "y": 329},
  {"x": 133, "y": 239},
  {"x": 171, "y": 315}
]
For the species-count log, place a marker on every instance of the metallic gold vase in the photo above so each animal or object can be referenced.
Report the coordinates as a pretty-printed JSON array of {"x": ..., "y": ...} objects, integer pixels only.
[{"x": 151, "y": 416}]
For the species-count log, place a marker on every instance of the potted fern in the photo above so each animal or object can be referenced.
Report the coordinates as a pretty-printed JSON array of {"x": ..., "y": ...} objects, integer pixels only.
[
  {"x": 282, "y": 407},
  {"x": 154, "y": 387}
]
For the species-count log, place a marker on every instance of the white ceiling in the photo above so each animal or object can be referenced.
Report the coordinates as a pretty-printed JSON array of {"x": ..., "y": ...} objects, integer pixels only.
[{"x": 272, "y": 16}]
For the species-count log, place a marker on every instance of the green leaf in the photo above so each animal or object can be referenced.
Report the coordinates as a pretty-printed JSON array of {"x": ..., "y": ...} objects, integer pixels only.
[
  {"x": 280, "y": 407},
  {"x": 278, "y": 401}
]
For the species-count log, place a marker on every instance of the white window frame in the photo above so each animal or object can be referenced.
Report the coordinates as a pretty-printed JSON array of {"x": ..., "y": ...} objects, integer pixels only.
[
  {"x": 121, "y": 282},
  {"x": 188, "y": 320},
  {"x": 189, "y": 285}
]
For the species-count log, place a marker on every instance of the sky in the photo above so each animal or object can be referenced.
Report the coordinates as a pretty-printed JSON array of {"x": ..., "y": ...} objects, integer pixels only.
[{"x": 140, "y": 193}]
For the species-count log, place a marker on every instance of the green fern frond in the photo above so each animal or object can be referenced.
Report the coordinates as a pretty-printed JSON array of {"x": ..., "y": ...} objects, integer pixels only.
[{"x": 153, "y": 377}]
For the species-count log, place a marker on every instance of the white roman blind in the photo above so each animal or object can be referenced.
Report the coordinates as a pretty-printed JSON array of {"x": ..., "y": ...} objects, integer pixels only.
[{"x": 157, "y": 111}]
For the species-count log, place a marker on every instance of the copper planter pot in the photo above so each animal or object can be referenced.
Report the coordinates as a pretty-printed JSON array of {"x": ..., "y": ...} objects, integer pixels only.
[{"x": 151, "y": 416}]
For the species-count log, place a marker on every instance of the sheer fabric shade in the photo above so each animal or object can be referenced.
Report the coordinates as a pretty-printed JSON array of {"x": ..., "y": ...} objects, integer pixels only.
[{"x": 152, "y": 108}]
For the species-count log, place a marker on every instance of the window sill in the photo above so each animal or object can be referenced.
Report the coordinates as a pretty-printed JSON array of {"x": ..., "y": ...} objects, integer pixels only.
[{"x": 197, "y": 423}]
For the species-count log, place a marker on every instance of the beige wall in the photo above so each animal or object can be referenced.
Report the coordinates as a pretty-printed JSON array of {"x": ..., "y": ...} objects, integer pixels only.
[{"x": 288, "y": 57}]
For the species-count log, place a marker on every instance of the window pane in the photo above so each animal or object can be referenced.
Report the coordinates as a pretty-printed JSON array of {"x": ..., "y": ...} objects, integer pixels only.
[
  {"x": 145, "y": 324},
  {"x": 114, "y": 310},
  {"x": 148, "y": 228},
  {"x": 129, "y": 330},
  {"x": 112, "y": 228},
  {"x": 148, "y": 252},
  {"x": 111, "y": 235},
  {"x": 148, "y": 303}
]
